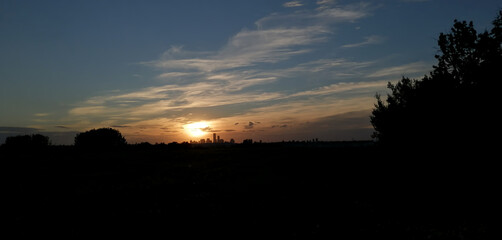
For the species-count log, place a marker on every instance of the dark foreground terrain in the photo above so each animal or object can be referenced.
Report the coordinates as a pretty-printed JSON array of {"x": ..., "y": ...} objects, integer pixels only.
[{"x": 277, "y": 191}]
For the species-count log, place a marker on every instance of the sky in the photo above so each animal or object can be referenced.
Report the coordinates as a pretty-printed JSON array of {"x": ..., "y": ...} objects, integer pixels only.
[{"x": 180, "y": 70}]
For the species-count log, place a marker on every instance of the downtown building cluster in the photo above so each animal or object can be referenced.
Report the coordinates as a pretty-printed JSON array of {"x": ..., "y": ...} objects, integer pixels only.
[{"x": 216, "y": 139}]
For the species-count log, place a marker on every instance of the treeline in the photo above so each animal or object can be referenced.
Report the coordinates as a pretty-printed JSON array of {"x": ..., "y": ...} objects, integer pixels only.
[
  {"x": 95, "y": 139},
  {"x": 111, "y": 139},
  {"x": 27, "y": 141}
]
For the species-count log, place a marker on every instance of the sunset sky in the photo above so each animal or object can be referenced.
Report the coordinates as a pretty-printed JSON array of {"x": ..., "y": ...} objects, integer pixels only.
[{"x": 180, "y": 70}]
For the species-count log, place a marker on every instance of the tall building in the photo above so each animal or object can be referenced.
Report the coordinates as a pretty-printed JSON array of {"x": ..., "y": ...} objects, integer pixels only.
[{"x": 214, "y": 138}]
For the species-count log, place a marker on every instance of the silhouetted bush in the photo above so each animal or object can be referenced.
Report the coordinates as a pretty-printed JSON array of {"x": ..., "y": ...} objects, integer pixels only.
[
  {"x": 456, "y": 104},
  {"x": 103, "y": 138},
  {"x": 27, "y": 142}
]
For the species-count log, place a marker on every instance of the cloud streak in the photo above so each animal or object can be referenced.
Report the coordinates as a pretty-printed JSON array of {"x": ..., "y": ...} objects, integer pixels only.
[
  {"x": 247, "y": 48},
  {"x": 374, "y": 39},
  {"x": 342, "y": 87},
  {"x": 402, "y": 70},
  {"x": 292, "y": 4}
]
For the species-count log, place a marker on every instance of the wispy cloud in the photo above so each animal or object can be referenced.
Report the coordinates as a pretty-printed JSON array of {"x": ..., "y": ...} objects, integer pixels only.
[
  {"x": 328, "y": 10},
  {"x": 343, "y": 87},
  {"x": 325, "y": 4},
  {"x": 402, "y": 70},
  {"x": 338, "y": 66},
  {"x": 170, "y": 75},
  {"x": 41, "y": 114},
  {"x": 374, "y": 39},
  {"x": 88, "y": 110},
  {"x": 247, "y": 48},
  {"x": 293, "y": 4}
]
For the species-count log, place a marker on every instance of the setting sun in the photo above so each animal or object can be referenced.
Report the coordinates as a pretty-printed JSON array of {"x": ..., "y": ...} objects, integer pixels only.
[{"x": 196, "y": 129}]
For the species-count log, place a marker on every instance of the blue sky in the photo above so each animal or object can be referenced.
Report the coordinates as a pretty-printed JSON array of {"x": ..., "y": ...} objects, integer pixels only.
[{"x": 261, "y": 69}]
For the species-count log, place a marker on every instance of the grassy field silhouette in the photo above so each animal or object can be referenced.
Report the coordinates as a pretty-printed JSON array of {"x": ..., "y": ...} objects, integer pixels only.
[{"x": 284, "y": 190}]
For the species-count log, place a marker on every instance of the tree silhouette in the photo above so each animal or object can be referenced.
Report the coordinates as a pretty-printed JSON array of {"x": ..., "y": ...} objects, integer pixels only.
[
  {"x": 37, "y": 141},
  {"x": 102, "y": 138},
  {"x": 456, "y": 103}
]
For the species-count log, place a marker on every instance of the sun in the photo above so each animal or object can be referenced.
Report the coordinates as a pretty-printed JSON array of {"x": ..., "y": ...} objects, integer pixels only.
[{"x": 196, "y": 129}]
